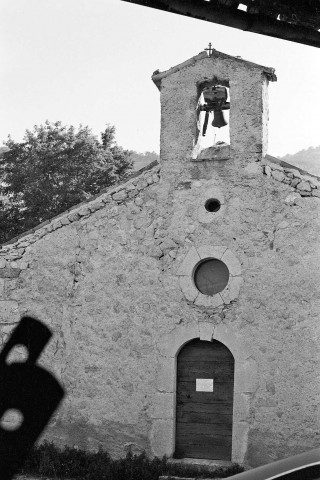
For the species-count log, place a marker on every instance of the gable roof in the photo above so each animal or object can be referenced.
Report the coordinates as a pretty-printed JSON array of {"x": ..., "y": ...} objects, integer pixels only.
[
  {"x": 284, "y": 164},
  {"x": 115, "y": 193},
  {"x": 158, "y": 76},
  {"x": 129, "y": 190}
]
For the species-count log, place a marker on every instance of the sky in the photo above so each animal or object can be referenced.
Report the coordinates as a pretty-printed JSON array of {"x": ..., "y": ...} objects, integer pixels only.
[{"x": 90, "y": 62}]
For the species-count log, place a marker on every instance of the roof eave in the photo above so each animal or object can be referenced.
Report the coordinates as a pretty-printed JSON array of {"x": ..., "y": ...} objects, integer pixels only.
[{"x": 158, "y": 76}]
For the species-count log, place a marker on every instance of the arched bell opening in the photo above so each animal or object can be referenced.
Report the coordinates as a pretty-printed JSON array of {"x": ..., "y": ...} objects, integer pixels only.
[
  {"x": 204, "y": 401},
  {"x": 213, "y": 109}
]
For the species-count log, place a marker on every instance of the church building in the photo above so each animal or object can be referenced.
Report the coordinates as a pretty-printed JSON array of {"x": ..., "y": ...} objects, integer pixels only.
[{"x": 184, "y": 302}]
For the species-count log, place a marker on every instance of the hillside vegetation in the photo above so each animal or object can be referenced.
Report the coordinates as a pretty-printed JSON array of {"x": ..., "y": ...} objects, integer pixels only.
[
  {"x": 308, "y": 159},
  {"x": 141, "y": 160}
]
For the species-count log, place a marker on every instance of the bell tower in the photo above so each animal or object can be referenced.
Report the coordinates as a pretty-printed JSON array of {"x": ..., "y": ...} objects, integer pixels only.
[
  {"x": 228, "y": 83},
  {"x": 211, "y": 203}
]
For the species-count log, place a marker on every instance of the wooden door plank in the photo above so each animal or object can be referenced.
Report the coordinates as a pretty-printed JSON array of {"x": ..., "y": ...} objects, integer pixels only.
[
  {"x": 206, "y": 440},
  {"x": 205, "y": 370},
  {"x": 193, "y": 429},
  {"x": 204, "y": 417},
  {"x": 188, "y": 394},
  {"x": 213, "y": 408},
  {"x": 218, "y": 364},
  {"x": 191, "y": 373}
]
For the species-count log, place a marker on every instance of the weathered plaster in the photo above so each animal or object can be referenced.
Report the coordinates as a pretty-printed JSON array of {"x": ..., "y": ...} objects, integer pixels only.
[
  {"x": 204, "y": 216},
  {"x": 248, "y": 112}
]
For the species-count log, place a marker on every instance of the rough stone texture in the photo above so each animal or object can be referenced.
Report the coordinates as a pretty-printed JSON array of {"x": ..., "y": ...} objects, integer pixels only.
[
  {"x": 268, "y": 171},
  {"x": 278, "y": 175},
  {"x": 9, "y": 272},
  {"x": 3, "y": 263},
  {"x": 191, "y": 261},
  {"x": 248, "y": 112},
  {"x": 216, "y": 152},
  {"x": 8, "y": 312},
  {"x": 120, "y": 196},
  {"x": 108, "y": 285},
  {"x": 291, "y": 198},
  {"x": 304, "y": 184}
]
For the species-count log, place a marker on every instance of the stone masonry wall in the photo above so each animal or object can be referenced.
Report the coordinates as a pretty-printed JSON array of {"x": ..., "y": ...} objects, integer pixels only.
[
  {"x": 179, "y": 97},
  {"x": 105, "y": 281},
  {"x": 277, "y": 311},
  {"x": 303, "y": 183},
  {"x": 105, "y": 277},
  {"x": 275, "y": 319},
  {"x": 41, "y": 275}
]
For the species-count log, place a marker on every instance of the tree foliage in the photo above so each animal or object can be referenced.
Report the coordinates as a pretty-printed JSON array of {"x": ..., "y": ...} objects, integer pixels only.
[{"x": 54, "y": 168}]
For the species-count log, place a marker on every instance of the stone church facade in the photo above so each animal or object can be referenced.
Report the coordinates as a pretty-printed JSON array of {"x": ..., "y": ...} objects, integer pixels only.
[{"x": 150, "y": 359}]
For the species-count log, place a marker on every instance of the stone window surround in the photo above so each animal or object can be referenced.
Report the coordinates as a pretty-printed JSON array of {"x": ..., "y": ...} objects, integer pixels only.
[
  {"x": 190, "y": 263},
  {"x": 164, "y": 401}
]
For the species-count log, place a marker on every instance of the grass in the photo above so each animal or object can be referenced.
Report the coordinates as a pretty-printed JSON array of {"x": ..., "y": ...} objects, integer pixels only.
[{"x": 71, "y": 463}]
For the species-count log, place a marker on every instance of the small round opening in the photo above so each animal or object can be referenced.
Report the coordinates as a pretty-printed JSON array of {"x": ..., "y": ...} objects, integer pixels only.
[
  {"x": 211, "y": 276},
  {"x": 212, "y": 205}
]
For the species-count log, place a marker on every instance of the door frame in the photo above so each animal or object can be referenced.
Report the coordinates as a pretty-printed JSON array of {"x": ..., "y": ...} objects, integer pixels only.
[
  {"x": 163, "y": 427},
  {"x": 230, "y": 397}
]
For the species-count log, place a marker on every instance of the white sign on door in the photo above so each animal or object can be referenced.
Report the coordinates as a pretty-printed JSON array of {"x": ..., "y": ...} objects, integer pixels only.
[{"x": 204, "y": 384}]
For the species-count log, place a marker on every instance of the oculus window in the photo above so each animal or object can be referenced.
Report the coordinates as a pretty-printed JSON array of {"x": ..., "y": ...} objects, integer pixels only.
[{"x": 211, "y": 276}]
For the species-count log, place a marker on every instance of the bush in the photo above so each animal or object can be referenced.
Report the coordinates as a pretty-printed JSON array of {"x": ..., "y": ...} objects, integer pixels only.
[{"x": 71, "y": 463}]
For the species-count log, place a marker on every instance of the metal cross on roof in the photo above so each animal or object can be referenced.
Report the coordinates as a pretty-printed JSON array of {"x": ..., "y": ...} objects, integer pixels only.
[{"x": 210, "y": 49}]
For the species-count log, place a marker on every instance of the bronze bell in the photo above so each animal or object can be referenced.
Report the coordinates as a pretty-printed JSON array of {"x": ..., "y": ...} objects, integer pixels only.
[
  {"x": 218, "y": 119},
  {"x": 215, "y": 98}
]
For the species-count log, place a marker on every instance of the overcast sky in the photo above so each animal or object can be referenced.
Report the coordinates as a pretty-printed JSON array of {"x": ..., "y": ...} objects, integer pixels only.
[{"x": 91, "y": 61}]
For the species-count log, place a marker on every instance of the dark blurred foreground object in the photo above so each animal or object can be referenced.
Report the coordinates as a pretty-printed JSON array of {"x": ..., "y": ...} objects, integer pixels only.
[
  {"x": 305, "y": 466},
  {"x": 293, "y": 20},
  {"x": 29, "y": 389}
]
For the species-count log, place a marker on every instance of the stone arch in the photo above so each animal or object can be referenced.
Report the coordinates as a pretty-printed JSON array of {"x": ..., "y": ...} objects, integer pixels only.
[{"x": 163, "y": 403}]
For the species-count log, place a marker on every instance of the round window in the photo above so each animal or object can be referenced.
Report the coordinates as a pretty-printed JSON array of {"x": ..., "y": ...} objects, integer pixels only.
[
  {"x": 211, "y": 276},
  {"x": 212, "y": 205}
]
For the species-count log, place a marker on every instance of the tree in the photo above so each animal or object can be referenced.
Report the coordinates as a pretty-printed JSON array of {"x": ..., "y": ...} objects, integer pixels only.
[
  {"x": 3, "y": 150},
  {"x": 9, "y": 219},
  {"x": 54, "y": 168}
]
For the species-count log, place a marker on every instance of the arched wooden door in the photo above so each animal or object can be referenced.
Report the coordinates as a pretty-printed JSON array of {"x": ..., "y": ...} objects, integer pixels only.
[{"x": 205, "y": 372}]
